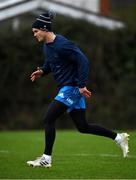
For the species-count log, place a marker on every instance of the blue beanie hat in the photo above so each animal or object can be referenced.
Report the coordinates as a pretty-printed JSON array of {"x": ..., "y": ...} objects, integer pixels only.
[{"x": 44, "y": 21}]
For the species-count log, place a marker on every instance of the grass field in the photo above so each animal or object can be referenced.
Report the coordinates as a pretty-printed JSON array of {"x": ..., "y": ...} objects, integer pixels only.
[{"x": 76, "y": 156}]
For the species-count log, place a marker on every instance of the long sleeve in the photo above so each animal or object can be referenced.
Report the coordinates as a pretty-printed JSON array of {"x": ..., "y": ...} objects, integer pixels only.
[{"x": 46, "y": 67}]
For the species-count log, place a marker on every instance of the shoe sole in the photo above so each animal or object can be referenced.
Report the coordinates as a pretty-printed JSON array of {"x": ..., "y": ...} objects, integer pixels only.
[{"x": 47, "y": 166}]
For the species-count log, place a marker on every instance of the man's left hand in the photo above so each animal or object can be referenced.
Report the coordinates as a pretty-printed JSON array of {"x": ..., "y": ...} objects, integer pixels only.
[{"x": 85, "y": 92}]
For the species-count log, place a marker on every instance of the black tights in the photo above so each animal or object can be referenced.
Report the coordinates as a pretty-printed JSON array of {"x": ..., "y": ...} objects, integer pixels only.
[{"x": 56, "y": 109}]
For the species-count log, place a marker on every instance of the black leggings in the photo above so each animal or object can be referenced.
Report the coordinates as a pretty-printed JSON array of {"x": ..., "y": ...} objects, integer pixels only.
[{"x": 55, "y": 110}]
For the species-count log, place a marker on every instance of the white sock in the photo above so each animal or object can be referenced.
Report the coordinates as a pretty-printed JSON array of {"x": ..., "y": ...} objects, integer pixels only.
[
  {"x": 48, "y": 158},
  {"x": 118, "y": 138}
]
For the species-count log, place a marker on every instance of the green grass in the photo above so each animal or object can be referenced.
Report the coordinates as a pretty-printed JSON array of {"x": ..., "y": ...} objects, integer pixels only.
[{"x": 75, "y": 156}]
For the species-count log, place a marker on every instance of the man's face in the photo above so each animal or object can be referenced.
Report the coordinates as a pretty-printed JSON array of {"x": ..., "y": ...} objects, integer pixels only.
[{"x": 39, "y": 34}]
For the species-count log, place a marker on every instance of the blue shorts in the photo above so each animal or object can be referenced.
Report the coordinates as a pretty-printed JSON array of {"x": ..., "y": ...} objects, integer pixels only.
[{"x": 70, "y": 96}]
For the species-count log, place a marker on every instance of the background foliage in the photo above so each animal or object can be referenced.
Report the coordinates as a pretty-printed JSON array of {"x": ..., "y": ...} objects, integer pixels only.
[{"x": 112, "y": 56}]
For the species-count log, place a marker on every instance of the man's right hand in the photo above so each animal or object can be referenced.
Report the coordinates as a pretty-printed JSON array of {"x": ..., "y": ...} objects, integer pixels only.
[{"x": 36, "y": 74}]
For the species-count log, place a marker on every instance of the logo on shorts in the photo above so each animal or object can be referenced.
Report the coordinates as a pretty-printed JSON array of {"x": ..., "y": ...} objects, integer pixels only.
[
  {"x": 70, "y": 101},
  {"x": 61, "y": 95}
]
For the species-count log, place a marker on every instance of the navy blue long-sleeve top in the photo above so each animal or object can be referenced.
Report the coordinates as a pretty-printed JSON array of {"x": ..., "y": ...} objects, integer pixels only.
[{"x": 66, "y": 61}]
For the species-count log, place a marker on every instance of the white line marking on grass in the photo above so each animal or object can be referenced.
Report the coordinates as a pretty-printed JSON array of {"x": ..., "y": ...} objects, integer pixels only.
[
  {"x": 131, "y": 156},
  {"x": 108, "y": 155},
  {"x": 4, "y": 151},
  {"x": 101, "y": 155}
]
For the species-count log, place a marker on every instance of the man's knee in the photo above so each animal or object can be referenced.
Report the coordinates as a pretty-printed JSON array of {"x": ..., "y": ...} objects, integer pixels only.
[
  {"x": 49, "y": 123},
  {"x": 49, "y": 119}
]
